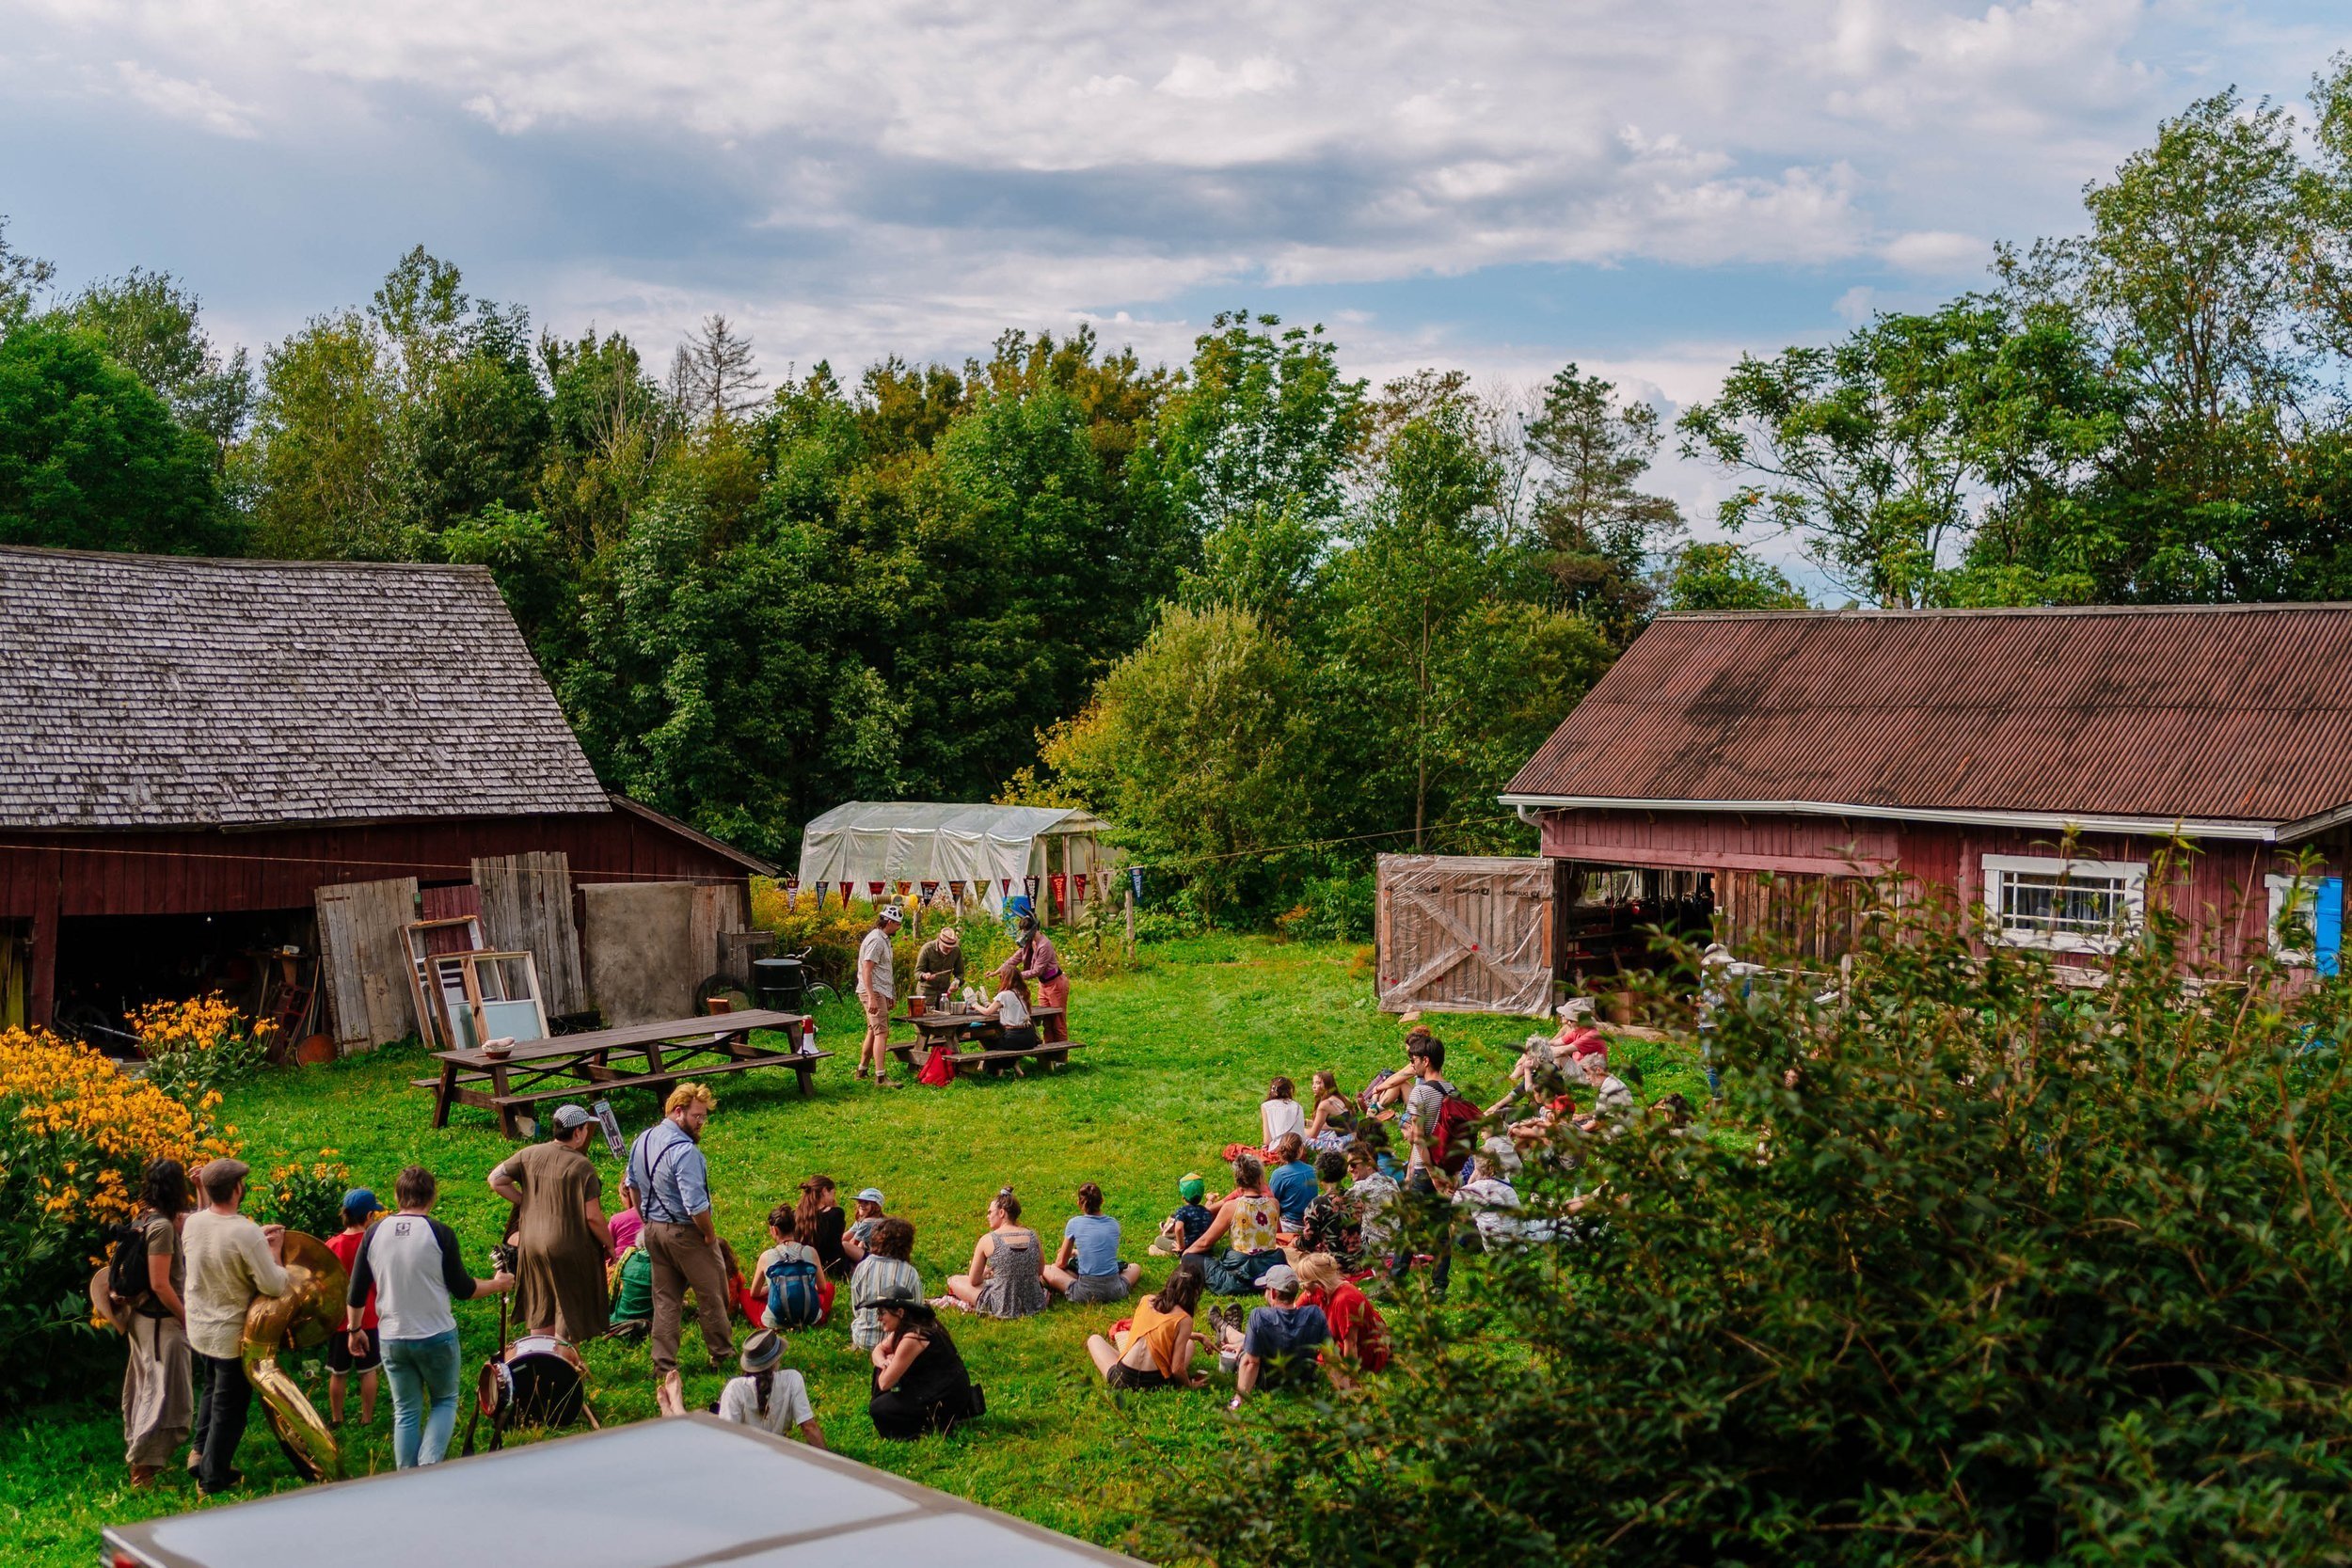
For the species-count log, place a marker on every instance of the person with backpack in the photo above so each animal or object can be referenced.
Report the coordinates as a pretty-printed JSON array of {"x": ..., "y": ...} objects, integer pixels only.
[
  {"x": 146, "y": 1273},
  {"x": 1440, "y": 1128},
  {"x": 798, "y": 1294}
]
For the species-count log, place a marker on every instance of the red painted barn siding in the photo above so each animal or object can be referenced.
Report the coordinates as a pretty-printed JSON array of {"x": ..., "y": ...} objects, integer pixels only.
[
  {"x": 2218, "y": 889},
  {"x": 205, "y": 872}
]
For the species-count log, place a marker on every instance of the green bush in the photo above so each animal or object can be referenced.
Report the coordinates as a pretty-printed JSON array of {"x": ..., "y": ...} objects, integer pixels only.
[
  {"x": 1969, "y": 1269},
  {"x": 1331, "y": 909}
]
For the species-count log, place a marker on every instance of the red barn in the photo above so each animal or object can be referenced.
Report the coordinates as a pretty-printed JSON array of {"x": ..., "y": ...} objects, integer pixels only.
[
  {"x": 190, "y": 748},
  {"x": 1769, "y": 757}
]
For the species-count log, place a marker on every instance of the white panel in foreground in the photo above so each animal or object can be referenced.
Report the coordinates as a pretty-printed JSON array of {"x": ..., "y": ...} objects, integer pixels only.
[{"x": 651, "y": 1495}]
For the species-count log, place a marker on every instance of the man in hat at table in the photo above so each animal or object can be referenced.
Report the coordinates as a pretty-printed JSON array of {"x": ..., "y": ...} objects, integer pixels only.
[
  {"x": 939, "y": 967},
  {"x": 878, "y": 988}
]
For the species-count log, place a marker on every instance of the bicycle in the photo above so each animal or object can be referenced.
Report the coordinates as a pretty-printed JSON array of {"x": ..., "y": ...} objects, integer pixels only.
[{"x": 740, "y": 997}]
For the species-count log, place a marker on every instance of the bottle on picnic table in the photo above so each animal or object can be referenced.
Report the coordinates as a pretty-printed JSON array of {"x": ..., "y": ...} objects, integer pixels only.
[{"x": 808, "y": 1035}]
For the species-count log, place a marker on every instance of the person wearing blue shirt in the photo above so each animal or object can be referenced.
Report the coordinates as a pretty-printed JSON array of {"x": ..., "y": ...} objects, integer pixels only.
[
  {"x": 669, "y": 1184},
  {"x": 1292, "y": 1180},
  {"x": 1087, "y": 1269}
]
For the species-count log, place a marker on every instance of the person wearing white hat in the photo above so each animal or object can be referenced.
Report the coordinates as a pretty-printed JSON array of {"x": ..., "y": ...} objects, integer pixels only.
[
  {"x": 769, "y": 1395},
  {"x": 877, "y": 989}
]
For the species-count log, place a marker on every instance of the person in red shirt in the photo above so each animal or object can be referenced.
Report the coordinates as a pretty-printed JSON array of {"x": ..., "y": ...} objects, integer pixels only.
[
  {"x": 359, "y": 1208},
  {"x": 1359, "y": 1335}
]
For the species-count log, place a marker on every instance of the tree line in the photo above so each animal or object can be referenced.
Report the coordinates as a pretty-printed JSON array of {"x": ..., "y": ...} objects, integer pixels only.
[{"x": 1267, "y": 618}]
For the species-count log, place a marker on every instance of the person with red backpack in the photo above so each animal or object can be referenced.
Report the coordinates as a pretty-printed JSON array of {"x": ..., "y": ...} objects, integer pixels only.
[{"x": 1441, "y": 1128}]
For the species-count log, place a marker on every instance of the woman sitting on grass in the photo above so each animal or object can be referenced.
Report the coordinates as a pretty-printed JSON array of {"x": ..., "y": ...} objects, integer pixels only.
[
  {"x": 1333, "y": 1122},
  {"x": 1087, "y": 1269},
  {"x": 919, "y": 1382},
  {"x": 1157, "y": 1352},
  {"x": 1248, "y": 1221},
  {"x": 1007, "y": 1277},
  {"x": 769, "y": 1395},
  {"x": 1281, "y": 1113}
]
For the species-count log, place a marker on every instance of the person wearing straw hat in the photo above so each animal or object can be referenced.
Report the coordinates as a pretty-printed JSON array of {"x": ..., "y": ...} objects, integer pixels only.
[{"x": 769, "y": 1395}]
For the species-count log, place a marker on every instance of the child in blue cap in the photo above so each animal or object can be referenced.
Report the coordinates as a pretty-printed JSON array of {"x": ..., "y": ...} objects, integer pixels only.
[{"x": 359, "y": 1208}]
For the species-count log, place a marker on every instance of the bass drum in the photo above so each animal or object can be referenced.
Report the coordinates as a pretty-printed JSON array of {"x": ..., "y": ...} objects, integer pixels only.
[{"x": 539, "y": 1381}]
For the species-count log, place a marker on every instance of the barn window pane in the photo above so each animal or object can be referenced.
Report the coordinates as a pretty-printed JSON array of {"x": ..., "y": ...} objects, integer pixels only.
[{"x": 2073, "y": 904}]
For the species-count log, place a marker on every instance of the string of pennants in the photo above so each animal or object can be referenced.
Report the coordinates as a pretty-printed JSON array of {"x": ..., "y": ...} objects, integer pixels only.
[{"x": 1061, "y": 885}]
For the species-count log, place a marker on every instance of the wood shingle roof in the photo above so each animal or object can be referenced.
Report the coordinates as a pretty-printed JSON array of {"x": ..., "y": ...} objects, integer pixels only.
[{"x": 163, "y": 691}]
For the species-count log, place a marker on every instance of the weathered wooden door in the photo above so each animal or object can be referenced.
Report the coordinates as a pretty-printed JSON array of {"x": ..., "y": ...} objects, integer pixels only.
[
  {"x": 1466, "y": 934},
  {"x": 364, "y": 960}
]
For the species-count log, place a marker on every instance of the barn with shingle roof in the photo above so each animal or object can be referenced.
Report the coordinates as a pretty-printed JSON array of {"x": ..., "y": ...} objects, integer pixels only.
[
  {"x": 190, "y": 748},
  {"x": 2031, "y": 761}
]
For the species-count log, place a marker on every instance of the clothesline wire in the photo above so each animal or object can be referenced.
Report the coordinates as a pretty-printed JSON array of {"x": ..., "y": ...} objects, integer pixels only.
[{"x": 1178, "y": 863}]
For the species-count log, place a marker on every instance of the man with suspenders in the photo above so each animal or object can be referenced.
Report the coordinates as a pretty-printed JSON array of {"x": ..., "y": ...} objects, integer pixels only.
[{"x": 669, "y": 1182}]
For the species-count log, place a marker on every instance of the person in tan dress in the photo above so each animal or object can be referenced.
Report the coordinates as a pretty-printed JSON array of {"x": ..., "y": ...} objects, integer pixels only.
[{"x": 562, "y": 1237}]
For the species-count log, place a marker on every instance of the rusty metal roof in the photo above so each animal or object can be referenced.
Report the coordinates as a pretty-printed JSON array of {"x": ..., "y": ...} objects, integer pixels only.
[{"x": 2232, "y": 712}]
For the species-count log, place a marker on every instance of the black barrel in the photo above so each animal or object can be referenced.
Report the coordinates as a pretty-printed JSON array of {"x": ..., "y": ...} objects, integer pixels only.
[{"x": 781, "y": 984}]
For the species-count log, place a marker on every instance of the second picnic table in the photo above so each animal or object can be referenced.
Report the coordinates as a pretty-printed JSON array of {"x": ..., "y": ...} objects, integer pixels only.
[
  {"x": 934, "y": 1028},
  {"x": 565, "y": 1065}
]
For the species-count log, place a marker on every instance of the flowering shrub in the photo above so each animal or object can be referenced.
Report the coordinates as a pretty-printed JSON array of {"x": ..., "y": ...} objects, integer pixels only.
[
  {"x": 201, "y": 1046},
  {"x": 76, "y": 1137},
  {"x": 310, "y": 1198}
]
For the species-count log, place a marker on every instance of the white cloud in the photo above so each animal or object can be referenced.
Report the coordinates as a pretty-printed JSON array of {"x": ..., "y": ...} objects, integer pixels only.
[
  {"x": 196, "y": 102},
  {"x": 906, "y": 175},
  {"x": 1197, "y": 76},
  {"x": 1936, "y": 250}
]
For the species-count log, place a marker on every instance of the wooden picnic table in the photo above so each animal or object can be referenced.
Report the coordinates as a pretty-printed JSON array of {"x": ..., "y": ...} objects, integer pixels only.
[
  {"x": 939, "y": 1028},
  {"x": 565, "y": 1066}
]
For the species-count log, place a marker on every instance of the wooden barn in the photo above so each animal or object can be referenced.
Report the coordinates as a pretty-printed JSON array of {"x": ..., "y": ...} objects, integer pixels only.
[
  {"x": 199, "y": 758},
  {"x": 1770, "y": 757}
]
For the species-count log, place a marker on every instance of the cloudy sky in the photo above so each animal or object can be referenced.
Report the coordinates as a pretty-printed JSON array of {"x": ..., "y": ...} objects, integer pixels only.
[{"x": 1645, "y": 186}]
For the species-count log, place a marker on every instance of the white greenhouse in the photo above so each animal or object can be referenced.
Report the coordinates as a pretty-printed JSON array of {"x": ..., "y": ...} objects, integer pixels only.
[{"x": 962, "y": 853}]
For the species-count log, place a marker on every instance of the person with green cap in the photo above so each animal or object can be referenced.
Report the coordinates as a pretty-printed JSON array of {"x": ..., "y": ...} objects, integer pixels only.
[{"x": 1184, "y": 1227}]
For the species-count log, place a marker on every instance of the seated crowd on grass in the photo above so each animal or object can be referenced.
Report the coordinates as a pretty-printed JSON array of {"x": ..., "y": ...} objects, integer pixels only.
[{"x": 1314, "y": 1215}]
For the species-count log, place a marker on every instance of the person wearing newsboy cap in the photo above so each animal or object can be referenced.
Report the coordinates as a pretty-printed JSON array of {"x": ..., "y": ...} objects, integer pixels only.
[{"x": 560, "y": 1234}]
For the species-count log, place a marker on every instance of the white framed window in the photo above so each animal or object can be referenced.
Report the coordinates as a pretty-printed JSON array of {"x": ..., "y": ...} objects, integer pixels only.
[
  {"x": 2067, "y": 906},
  {"x": 2293, "y": 900}
]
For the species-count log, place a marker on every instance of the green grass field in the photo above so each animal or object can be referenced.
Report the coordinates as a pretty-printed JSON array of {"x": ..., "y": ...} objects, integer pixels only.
[{"x": 1177, "y": 1057}]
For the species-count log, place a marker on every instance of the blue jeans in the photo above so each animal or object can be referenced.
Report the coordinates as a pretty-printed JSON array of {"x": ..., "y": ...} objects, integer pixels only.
[{"x": 423, "y": 1375}]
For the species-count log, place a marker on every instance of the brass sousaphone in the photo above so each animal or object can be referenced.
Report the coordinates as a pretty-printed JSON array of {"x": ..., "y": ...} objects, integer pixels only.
[{"x": 302, "y": 1319}]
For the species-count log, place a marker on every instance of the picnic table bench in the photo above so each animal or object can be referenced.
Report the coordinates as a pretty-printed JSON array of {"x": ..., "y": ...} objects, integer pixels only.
[
  {"x": 937, "y": 1028},
  {"x": 563, "y": 1066}
]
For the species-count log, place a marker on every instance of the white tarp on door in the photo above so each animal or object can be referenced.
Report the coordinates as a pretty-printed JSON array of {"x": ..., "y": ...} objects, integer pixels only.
[{"x": 889, "y": 842}]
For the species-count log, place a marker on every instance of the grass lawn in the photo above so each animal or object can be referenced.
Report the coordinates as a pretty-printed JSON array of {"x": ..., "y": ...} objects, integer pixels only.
[{"x": 1178, "y": 1055}]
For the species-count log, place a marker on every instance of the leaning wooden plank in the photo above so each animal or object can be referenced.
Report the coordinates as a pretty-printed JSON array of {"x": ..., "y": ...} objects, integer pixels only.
[
  {"x": 527, "y": 903},
  {"x": 364, "y": 959}
]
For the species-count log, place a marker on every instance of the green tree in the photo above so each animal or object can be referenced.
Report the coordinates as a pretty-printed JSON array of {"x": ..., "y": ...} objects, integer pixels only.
[
  {"x": 1249, "y": 457},
  {"x": 608, "y": 431},
  {"x": 150, "y": 323},
  {"x": 22, "y": 280},
  {"x": 1598, "y": 530},
  {"x": 1721, "y": 576},
  {"x": 1199, "y": 745},
  {"x": 1441, "y": 674},
  {"x": 320, "y": 464},
  {"x": 92, "y": 459}
]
